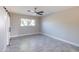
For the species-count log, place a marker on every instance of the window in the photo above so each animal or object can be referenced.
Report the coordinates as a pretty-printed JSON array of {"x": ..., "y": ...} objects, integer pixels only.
[{"x": 27, "y": 22}]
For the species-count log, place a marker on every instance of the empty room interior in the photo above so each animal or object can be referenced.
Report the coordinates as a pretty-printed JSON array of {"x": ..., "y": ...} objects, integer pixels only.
[{"x": 39, "y": 28}]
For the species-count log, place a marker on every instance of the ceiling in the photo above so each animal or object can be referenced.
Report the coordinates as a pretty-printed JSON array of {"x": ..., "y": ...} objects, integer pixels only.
[{"x": 46, "y": 9}]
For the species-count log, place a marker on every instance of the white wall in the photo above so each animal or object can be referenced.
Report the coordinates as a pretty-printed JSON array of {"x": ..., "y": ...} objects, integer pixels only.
[
  {"x": 17, "y": 30},
  {"x": 64, "y": 25},
  {"x": 4, "y": 24}
]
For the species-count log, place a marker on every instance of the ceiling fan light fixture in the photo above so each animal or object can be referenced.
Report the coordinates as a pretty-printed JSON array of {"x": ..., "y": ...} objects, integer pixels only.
[{"x": 36, "y": 11}]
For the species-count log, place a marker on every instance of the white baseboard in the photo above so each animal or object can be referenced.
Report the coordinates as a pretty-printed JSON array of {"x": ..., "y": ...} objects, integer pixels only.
[
  {"x": 24, "y": 35},
  {"x": 72, "y": 43}
]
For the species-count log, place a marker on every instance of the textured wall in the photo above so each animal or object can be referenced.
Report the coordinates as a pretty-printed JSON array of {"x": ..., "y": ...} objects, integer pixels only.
[{"x": 17, "y": 30}]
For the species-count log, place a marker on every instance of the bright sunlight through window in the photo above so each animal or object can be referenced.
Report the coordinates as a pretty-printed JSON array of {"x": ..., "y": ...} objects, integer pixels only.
[{"x": 27, "y": 22}]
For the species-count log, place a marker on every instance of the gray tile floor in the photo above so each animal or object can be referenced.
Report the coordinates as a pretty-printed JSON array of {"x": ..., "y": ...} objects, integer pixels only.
[{"x": 39, "y": 43}]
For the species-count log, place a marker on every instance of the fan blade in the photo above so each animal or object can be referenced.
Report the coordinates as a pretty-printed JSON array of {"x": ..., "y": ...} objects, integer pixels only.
[
  {"x": 30, "y": 11},
  {"x": 40, "y": 12}
]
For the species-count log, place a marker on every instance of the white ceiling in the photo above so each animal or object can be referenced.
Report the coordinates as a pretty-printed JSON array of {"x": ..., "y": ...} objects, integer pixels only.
[{"x": 46, "y": 9}]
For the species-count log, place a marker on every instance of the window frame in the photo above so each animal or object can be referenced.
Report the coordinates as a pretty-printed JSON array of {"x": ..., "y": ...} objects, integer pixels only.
[{"x": 27, "y": 22}]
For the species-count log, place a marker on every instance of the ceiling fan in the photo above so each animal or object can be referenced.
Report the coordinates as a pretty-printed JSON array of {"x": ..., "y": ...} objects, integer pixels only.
[{"x": 36, "y": 11}]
